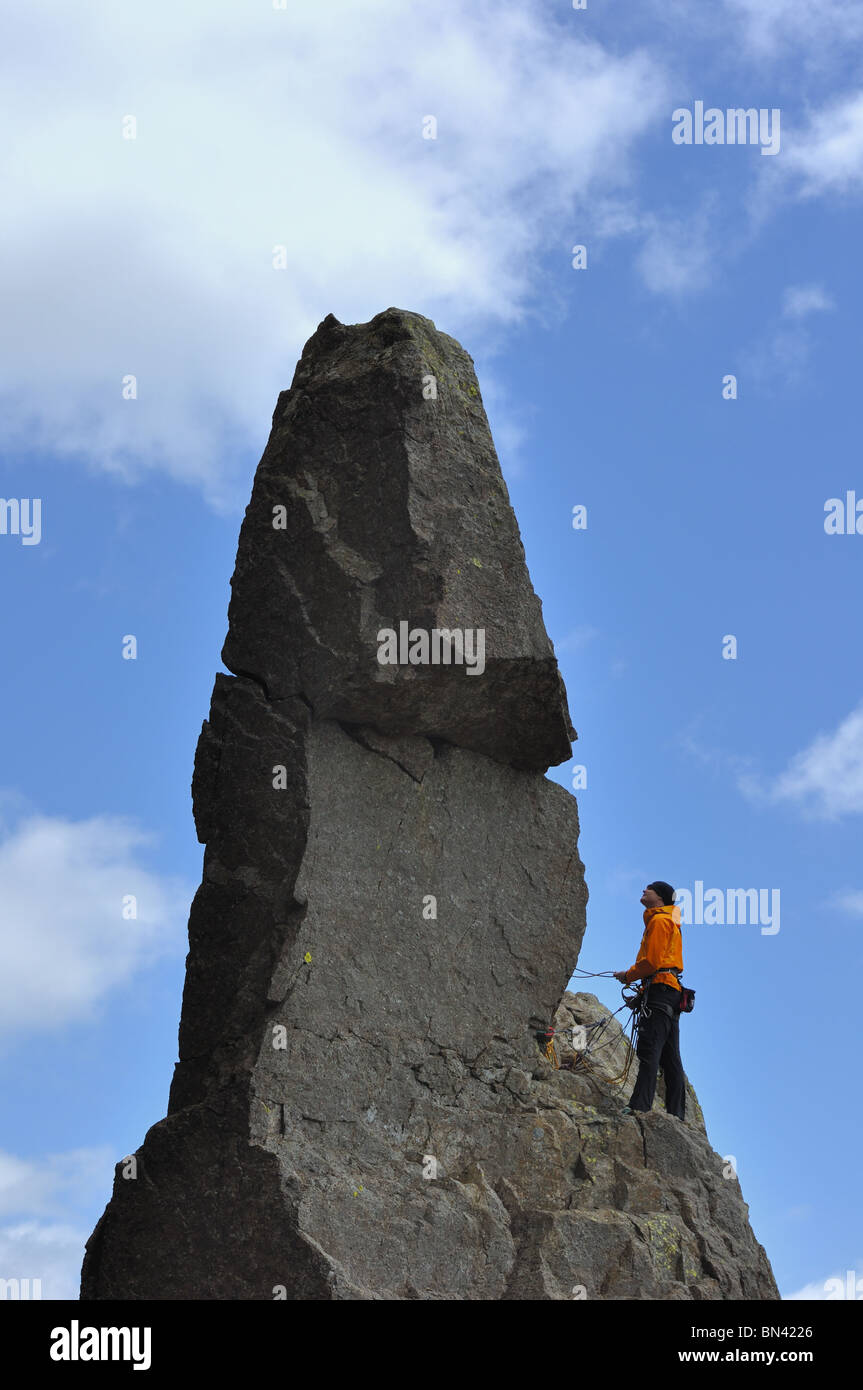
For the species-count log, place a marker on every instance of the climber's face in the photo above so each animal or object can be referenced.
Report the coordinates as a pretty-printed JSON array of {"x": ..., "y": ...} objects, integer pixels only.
[{"x": 649, "y": 898}]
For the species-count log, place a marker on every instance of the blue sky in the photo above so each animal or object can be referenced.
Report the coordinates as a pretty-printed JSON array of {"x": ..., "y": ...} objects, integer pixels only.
[{"x": 258, "y": 128}]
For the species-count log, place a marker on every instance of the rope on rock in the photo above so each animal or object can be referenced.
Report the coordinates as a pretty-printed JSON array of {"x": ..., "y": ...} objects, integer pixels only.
[{"x": 581, "y": 1062}]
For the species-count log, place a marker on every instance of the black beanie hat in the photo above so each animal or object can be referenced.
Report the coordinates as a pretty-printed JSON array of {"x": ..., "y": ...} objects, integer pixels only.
[{"x": 665, "y": 891}]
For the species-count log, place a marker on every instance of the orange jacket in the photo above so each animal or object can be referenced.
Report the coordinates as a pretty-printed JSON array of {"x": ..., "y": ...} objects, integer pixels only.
[{"x": 661, "y": 945}]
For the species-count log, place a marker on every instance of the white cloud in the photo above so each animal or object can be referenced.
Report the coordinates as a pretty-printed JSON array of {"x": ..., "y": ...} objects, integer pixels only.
[
  {"x": 259, "y": 128},
  {"x": 678, "y": 253},
  {"x": 822, "y": 157},
  {"x": 834, "y": 1287},
  {"x": 785, "y": 352},
  {"x": 826, "y": 779},
  {"x": 781, "y": 359},
  {"x": 800, "y": 300},
  {"x": 772, "y": 25},
  {"x": 809, "y": 1292},
  {"x": 852, "y": 903},
  {"x": 49, "y": 1185},
  {"x": 49, "y": 1252},
  {"x": 64, "y": 943},
  {"x": 48, "y": 1205},
  {"x": 766, "y": 36},
  {"x": 827, "y": 157}
]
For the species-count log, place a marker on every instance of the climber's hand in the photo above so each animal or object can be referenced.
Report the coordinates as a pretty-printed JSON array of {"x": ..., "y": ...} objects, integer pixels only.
[{"x": 621, "y": 976}]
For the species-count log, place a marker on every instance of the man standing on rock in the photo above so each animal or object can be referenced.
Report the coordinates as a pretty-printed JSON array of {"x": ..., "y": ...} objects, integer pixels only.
[{"x": 660, "y": 961}]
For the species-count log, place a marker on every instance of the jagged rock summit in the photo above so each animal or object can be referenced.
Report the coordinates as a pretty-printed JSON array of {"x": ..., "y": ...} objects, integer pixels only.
[
  {"x": 392, "y": 904},
  {"x": 395, "y": 511}
]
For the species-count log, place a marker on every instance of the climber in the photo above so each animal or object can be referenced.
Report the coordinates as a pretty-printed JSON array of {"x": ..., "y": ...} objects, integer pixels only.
[{"x": 659, "y": 963}]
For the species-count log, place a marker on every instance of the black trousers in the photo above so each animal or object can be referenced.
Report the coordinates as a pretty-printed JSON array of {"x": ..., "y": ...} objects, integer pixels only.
[{"x": 658, "y": 1046}]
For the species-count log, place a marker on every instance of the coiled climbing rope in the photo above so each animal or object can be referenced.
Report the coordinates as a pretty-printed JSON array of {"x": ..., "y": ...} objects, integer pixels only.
[{"x": 594, "y": 1031}]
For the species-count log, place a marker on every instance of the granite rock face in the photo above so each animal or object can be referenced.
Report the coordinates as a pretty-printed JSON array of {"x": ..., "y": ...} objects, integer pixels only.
[{"x": 392, "y": 905}]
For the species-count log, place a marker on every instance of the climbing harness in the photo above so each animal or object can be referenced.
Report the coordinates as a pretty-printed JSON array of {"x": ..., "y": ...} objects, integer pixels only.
[
  {"x": 685, "y": 1001},
  {"x": 686, "y": 996},
  {"x": 684, "y": 1004}
]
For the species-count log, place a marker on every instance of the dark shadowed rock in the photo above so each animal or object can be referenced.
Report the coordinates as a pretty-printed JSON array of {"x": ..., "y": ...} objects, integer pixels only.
[{"x": 392, "y": 904}]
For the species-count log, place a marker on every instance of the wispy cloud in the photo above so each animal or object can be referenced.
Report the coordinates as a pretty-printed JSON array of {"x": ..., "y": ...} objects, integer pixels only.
[
  {"x": 769, "y": 26},
  {"x": 64, "y": 942},
  {"x": 678, "y": 253},
  {"x": 834, "y": 1287},
  {"x": 825, "y": 780},
  {"x": 802, "y": 300},
  {"x": 165, "y": 270},
  {"x": 48, "y": 1204},
  {"x": 851, "y": 902},
  {"x": 827, "y": 157},
  {"x": 721, "y": 761},
  {"x": 785, "y": 353},
  {"x": 51, "y": 1252},
  {"x": 46, "y": 1186}
]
